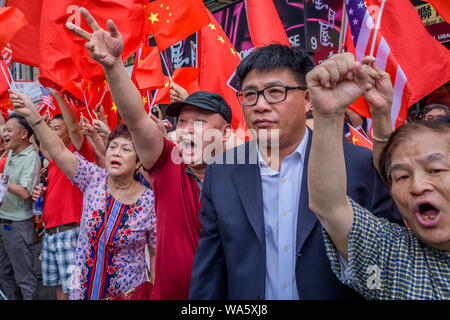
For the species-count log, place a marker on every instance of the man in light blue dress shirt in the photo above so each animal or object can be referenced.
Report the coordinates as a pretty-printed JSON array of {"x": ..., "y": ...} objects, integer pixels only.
[{"x": 280, "y": 191}]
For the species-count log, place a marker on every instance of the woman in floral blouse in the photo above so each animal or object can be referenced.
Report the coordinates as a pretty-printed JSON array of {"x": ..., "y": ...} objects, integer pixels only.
[{"x": 118, "y": 219}]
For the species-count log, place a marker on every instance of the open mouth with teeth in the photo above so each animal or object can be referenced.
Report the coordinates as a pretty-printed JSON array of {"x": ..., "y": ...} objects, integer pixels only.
[
  {"x": 427, "y": 214},
  {"x": 6, "y": 139}
]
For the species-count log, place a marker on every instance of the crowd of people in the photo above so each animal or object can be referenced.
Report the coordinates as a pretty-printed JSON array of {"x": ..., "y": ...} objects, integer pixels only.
[{"x": 294, "y": 213}]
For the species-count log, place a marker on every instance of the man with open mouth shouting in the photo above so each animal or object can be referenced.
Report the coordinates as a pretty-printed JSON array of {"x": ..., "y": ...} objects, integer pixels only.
[
  {"x": 378, "y": 259},
  {"x": 176, "y": 173}
]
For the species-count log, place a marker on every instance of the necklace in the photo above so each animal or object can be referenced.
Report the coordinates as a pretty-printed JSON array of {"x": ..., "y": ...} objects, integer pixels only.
[{"x": 123, "y": 192}]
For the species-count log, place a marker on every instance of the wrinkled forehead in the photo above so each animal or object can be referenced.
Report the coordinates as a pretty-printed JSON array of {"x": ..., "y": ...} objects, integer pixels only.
[{"x": 423, "y": 147}]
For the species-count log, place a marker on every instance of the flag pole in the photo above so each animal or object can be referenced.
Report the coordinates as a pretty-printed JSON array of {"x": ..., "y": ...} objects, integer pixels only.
[
  {"x": 167, "y": 68},
  {"x": 343, "y": 33},
  {"x": 87, "y": 107},
  {"x": 150, "y": 104},
  {"x": 101, "y": 99},
  {"x": 377, "y": 27}
]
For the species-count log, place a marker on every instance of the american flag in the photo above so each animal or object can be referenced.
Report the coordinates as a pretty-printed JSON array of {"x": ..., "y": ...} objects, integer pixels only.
[
  {"x": 47, "y": 101},
  {"x": 364, "y": 30},
  {"x": 7, "y": 54}
]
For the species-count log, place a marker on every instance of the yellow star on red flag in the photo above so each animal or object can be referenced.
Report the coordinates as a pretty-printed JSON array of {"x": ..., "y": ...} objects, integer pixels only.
[
  {"x": 114, "y": 108},
  {"x": 174, "y": 20},
  {"x": 153, "y": 17}
]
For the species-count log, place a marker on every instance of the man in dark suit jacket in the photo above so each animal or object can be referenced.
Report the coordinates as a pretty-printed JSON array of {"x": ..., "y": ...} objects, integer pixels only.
[{"x": 247, "y": 250}]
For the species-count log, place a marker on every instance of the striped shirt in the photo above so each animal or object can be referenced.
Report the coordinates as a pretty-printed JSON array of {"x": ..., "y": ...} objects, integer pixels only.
[{"x": 386, "y": 261}]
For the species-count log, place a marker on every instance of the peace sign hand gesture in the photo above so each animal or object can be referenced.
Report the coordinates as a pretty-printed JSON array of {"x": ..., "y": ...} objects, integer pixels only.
[{"x": 105, "y": 46}]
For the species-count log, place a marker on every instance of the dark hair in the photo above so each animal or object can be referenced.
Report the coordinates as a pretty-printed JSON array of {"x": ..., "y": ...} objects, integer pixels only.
[
  {"x": 22, "y": 121},
  {"x": 433, "y": 106},
  {"x": 273, "y": 57},
  {"x": 120, "y": 131},
  {"x": 58, "y": 116},
  {"x": 403, "y": 134}
]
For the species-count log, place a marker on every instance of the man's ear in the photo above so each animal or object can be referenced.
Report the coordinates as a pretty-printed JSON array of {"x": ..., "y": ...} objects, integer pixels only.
[
  {"x": 24, "y": 135},
  {"x": 308, "y": 103},
  {"x": 227, "y": 129}
]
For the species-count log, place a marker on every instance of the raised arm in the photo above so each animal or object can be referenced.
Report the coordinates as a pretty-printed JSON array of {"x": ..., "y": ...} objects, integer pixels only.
[
  {"x": 100, "y": 111},
  {"x": 333, "y": 86},
  {"x": 70, "y": 119},
  {"x": 102, "y": 129},
  {"x": 95, "y": 141},
  {"x": 105, "y": 47},
  {"x": 380, "y": 98},
  {"x": 63, "y": 158}
]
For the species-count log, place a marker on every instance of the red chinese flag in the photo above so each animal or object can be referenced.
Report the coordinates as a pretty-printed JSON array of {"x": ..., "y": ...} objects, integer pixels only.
[
  {"x": 442, "y": 7},
  {"x": 217, "y": 61},
  {"x": 111, "y": 112},
  {"x": 26, "y": 41},
  {"x": 172, "y": 20},
  {"x": 187, "y": 77},
  {"x": 11, "y": 20},
  {"x": 162, "y": 94},
  {"x": 74, "y": 89},
  {"x": 149, "y": 73},
  {"x": 63, "y": 57},
  {"x": 5, "y": 104},
  {"x": 358, "y": 139},
  {"x": 264, "y": 23}
]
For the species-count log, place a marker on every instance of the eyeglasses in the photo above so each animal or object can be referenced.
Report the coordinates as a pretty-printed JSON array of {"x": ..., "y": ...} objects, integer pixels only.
[{"x": 272, "y": 94}]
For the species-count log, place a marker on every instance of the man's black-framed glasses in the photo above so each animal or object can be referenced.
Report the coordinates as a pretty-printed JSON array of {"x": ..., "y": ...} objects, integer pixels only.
[{"x": 272, "y": 94}]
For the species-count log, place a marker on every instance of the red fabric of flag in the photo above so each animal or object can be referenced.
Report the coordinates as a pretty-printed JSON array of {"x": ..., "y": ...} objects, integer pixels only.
[
  {"x": 172, "y": 21},
  {"x": 74, "y": 89},
  {"x": 26, "y": 41},
  {"x": 187, "y": 77},
  {"x": 11, "y": 20},
  {"x": 111, "y": 112},
  {"x": 162, "y": 94},
  {"x": 149, "y": 72},
  {"x": 358, "y": 139},
  {"x": 5, "y": 79},
  {"x": 63, "y": 57},
  {"x": 442, "y": 7},
  {"x": 264, "y": 23},
  {"x": 416, "y": 62},
  {"x": 217, "y": 61},
  {"x": 5, "y": 104},
  {"x": 360, "y": 106}
]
